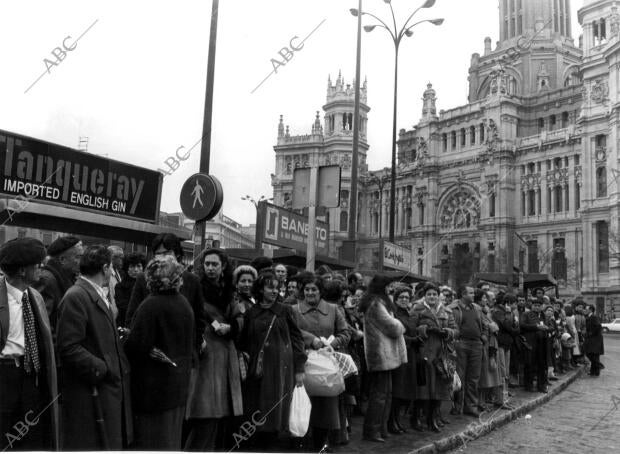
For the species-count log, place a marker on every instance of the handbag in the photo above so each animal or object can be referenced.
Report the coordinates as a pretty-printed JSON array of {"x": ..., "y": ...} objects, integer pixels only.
[
  {"x": 444, "y": 368},
  {"x": 256, "y": 372},
  {"x": 243, "y": 364}
]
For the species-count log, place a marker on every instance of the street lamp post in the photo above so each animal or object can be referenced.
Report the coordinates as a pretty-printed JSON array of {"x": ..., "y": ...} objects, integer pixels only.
[
  {"x": 397, "y": 35},
  {"x": 262, "y": 198}
]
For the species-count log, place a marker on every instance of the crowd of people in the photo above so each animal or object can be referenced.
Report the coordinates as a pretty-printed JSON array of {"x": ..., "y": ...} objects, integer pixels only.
[{"x": 110, "y": 351}]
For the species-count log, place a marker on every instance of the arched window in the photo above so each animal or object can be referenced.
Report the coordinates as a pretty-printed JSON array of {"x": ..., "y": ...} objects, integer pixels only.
[
  {"x": 344, "y": 221},
  {"x": 444, "y": 141},
  {"x": 564, "y": 119},
  {"x": 601, "y": 182},
  {"x": 463, "y": 137},
  {"x": 541, "y": 125},
  {"x": 472, "y": 135},
  {"x": 531, "y": 202},
  {"x": 552, "y": 122},
  {"x": 453, "y": 134}
]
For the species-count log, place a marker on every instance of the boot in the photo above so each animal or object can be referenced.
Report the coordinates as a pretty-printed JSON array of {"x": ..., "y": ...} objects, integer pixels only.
[
  {"x": 431, "y": 422},
  {"x": 416, "y": 424},
  {"x": 396, "y": 407},
  {"x": 440, "y": 417}
]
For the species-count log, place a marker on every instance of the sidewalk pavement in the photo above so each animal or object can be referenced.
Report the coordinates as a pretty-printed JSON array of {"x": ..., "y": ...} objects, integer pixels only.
[{"x": 461, "y": 429}]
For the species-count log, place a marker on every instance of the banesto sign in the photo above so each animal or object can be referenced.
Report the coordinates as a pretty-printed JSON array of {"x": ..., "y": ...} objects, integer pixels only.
[
  {"x": 58, "y": 175},
  {"x": 397, "y": 257},
  {"x": 286, "y": 229}
]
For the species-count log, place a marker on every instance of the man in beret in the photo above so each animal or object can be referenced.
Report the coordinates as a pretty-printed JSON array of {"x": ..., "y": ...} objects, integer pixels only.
[
  {"x": 93, "y": 359},
  {"x": 59, "y": 273},
  {"x": 28, "y": 380}
]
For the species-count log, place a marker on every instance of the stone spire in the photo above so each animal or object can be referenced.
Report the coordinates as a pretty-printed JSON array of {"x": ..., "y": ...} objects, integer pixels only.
[
  {"x": 429, "y": 108},
  {"x": 317, "y": 128},
  {"x": 281, "y": 127}
]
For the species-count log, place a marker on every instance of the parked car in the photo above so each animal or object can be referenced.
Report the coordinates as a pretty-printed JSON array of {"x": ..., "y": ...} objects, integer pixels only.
[{"x": 611, "y": 327}]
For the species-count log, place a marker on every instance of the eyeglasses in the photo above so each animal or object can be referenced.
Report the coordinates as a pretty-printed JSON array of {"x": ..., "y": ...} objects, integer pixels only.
[{"x": 403, "y": 297}]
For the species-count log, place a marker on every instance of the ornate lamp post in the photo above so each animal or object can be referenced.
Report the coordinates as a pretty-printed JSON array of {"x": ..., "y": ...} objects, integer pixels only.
[{"x": 396, "y": 35}]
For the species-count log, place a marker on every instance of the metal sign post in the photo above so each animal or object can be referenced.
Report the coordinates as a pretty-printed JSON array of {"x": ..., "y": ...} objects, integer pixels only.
[{"x": 311, "y": 247}]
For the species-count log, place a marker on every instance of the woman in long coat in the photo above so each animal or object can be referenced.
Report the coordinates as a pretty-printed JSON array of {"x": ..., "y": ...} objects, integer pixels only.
[
  {"x": 404, "y": 378},
  {"x": 283, "y": 361},
  {"x": 164, "y": 321},
  {"x": 435, "y": 325},
  {"x": 215, "y": 390},
  {"x": 489, "y": 372},
  {"x": 318, "y": 319}
]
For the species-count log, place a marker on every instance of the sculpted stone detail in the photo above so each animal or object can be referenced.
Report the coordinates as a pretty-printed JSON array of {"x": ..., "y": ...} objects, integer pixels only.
[
  {"x": 461, "y": 211},
  {"x": 600, "y": 91}
]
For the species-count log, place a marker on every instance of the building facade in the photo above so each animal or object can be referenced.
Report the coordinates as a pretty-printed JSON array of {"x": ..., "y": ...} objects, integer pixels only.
[{"x": 523, "y": 176}]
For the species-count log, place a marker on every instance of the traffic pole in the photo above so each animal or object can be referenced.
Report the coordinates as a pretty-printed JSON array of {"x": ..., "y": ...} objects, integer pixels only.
[
  {"x": 205, "y": 148},
  {"x": 311, "y": 238}
]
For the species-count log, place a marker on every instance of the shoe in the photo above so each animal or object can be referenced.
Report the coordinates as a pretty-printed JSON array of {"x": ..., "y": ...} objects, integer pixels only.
[
  {"x": 417, "y": 425},
  {"x": 374, "y": 438},
  {"x": 432, "y": 426},
  {"x": 601, "y": 365},
  {"x": 543, "y": 390},
  {"x": 554, "y": 378},
  {"x": 399, "y": 426},
  {"x": 472, "y": 412}
]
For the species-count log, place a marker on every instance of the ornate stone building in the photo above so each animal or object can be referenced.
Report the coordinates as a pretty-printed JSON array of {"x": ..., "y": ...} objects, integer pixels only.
[{"x": 522, "y": 176}]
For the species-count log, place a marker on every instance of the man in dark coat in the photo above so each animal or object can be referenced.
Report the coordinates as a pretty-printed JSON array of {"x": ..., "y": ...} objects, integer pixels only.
[
  {"x": 169, "y": 244},
  {"x": 593, "y": 344},
  {"x": 534, "y": 330},
  {"x": 28, "y": 385},
  {"x": 93, "y": 360},
  {"x": 59, "y": 273}
]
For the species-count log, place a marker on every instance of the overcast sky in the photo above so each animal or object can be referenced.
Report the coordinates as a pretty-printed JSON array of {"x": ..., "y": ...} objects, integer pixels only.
[{"x": 135, "y": 82}]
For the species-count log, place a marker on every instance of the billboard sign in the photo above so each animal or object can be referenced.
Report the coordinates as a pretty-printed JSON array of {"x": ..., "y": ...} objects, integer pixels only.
[
  {"x": 396, "y": 257},
  {"x": 47, "y": 173},
  {"x": 286, "y": 229}
]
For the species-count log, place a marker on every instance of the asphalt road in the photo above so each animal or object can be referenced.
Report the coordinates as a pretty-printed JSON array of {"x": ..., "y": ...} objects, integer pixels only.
[{"x": 583, "y": 419}]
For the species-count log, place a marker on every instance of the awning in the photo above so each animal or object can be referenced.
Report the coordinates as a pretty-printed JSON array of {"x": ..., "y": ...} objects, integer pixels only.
[
  {"x": 530, "y": 280},
  {"x": 402, "y": 276},
  {"x": 289, "y": 257},
  {"x": 59, "y": 219}
]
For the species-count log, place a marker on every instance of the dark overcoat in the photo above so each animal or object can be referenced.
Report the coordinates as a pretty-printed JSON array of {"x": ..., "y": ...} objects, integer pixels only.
[
  {"x": 435, "y": 388},
  {"x": 165, "y": 321},
  {"x": 593, "y": 343},
  {"x": 47, "y": 350},
  {"x": 92, "y": 356},
  {"x": 190, "y": 289},
  {"x": 53, "y": 283},
  {"x": 404, "y": 378},
  {"x": 284, "y": 356},
  {"x": 215, "y": 386}
]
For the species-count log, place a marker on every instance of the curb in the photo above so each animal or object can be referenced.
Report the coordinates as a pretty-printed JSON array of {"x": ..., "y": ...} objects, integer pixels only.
[{"x": 480, "y": 429}]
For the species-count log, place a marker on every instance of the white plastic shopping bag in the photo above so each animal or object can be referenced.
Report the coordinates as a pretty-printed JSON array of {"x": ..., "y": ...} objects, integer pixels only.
[
  {"x": 322, "y": 376},
  {"x": 456, "y": 382},
  {"x": 299, "y": 418}
]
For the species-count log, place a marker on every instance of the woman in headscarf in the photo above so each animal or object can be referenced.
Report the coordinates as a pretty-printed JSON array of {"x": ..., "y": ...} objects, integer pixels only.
[
  {"x": 159, "y": 348},
  {"x": 404, "y": 377},
  {"x": 270, "y": 326},
  {"x": 318, "y": 320},
  {"x": 385, "y": 351},
  {"x": 215, "y": 393},
  {"x": 435, "y": 326}
]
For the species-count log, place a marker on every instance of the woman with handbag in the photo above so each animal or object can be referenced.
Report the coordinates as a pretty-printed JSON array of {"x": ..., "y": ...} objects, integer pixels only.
[
  {"x": 435, "y": 326},
  {"x": 277, "y": 357},
  {"x": 318, "y": 321}
]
